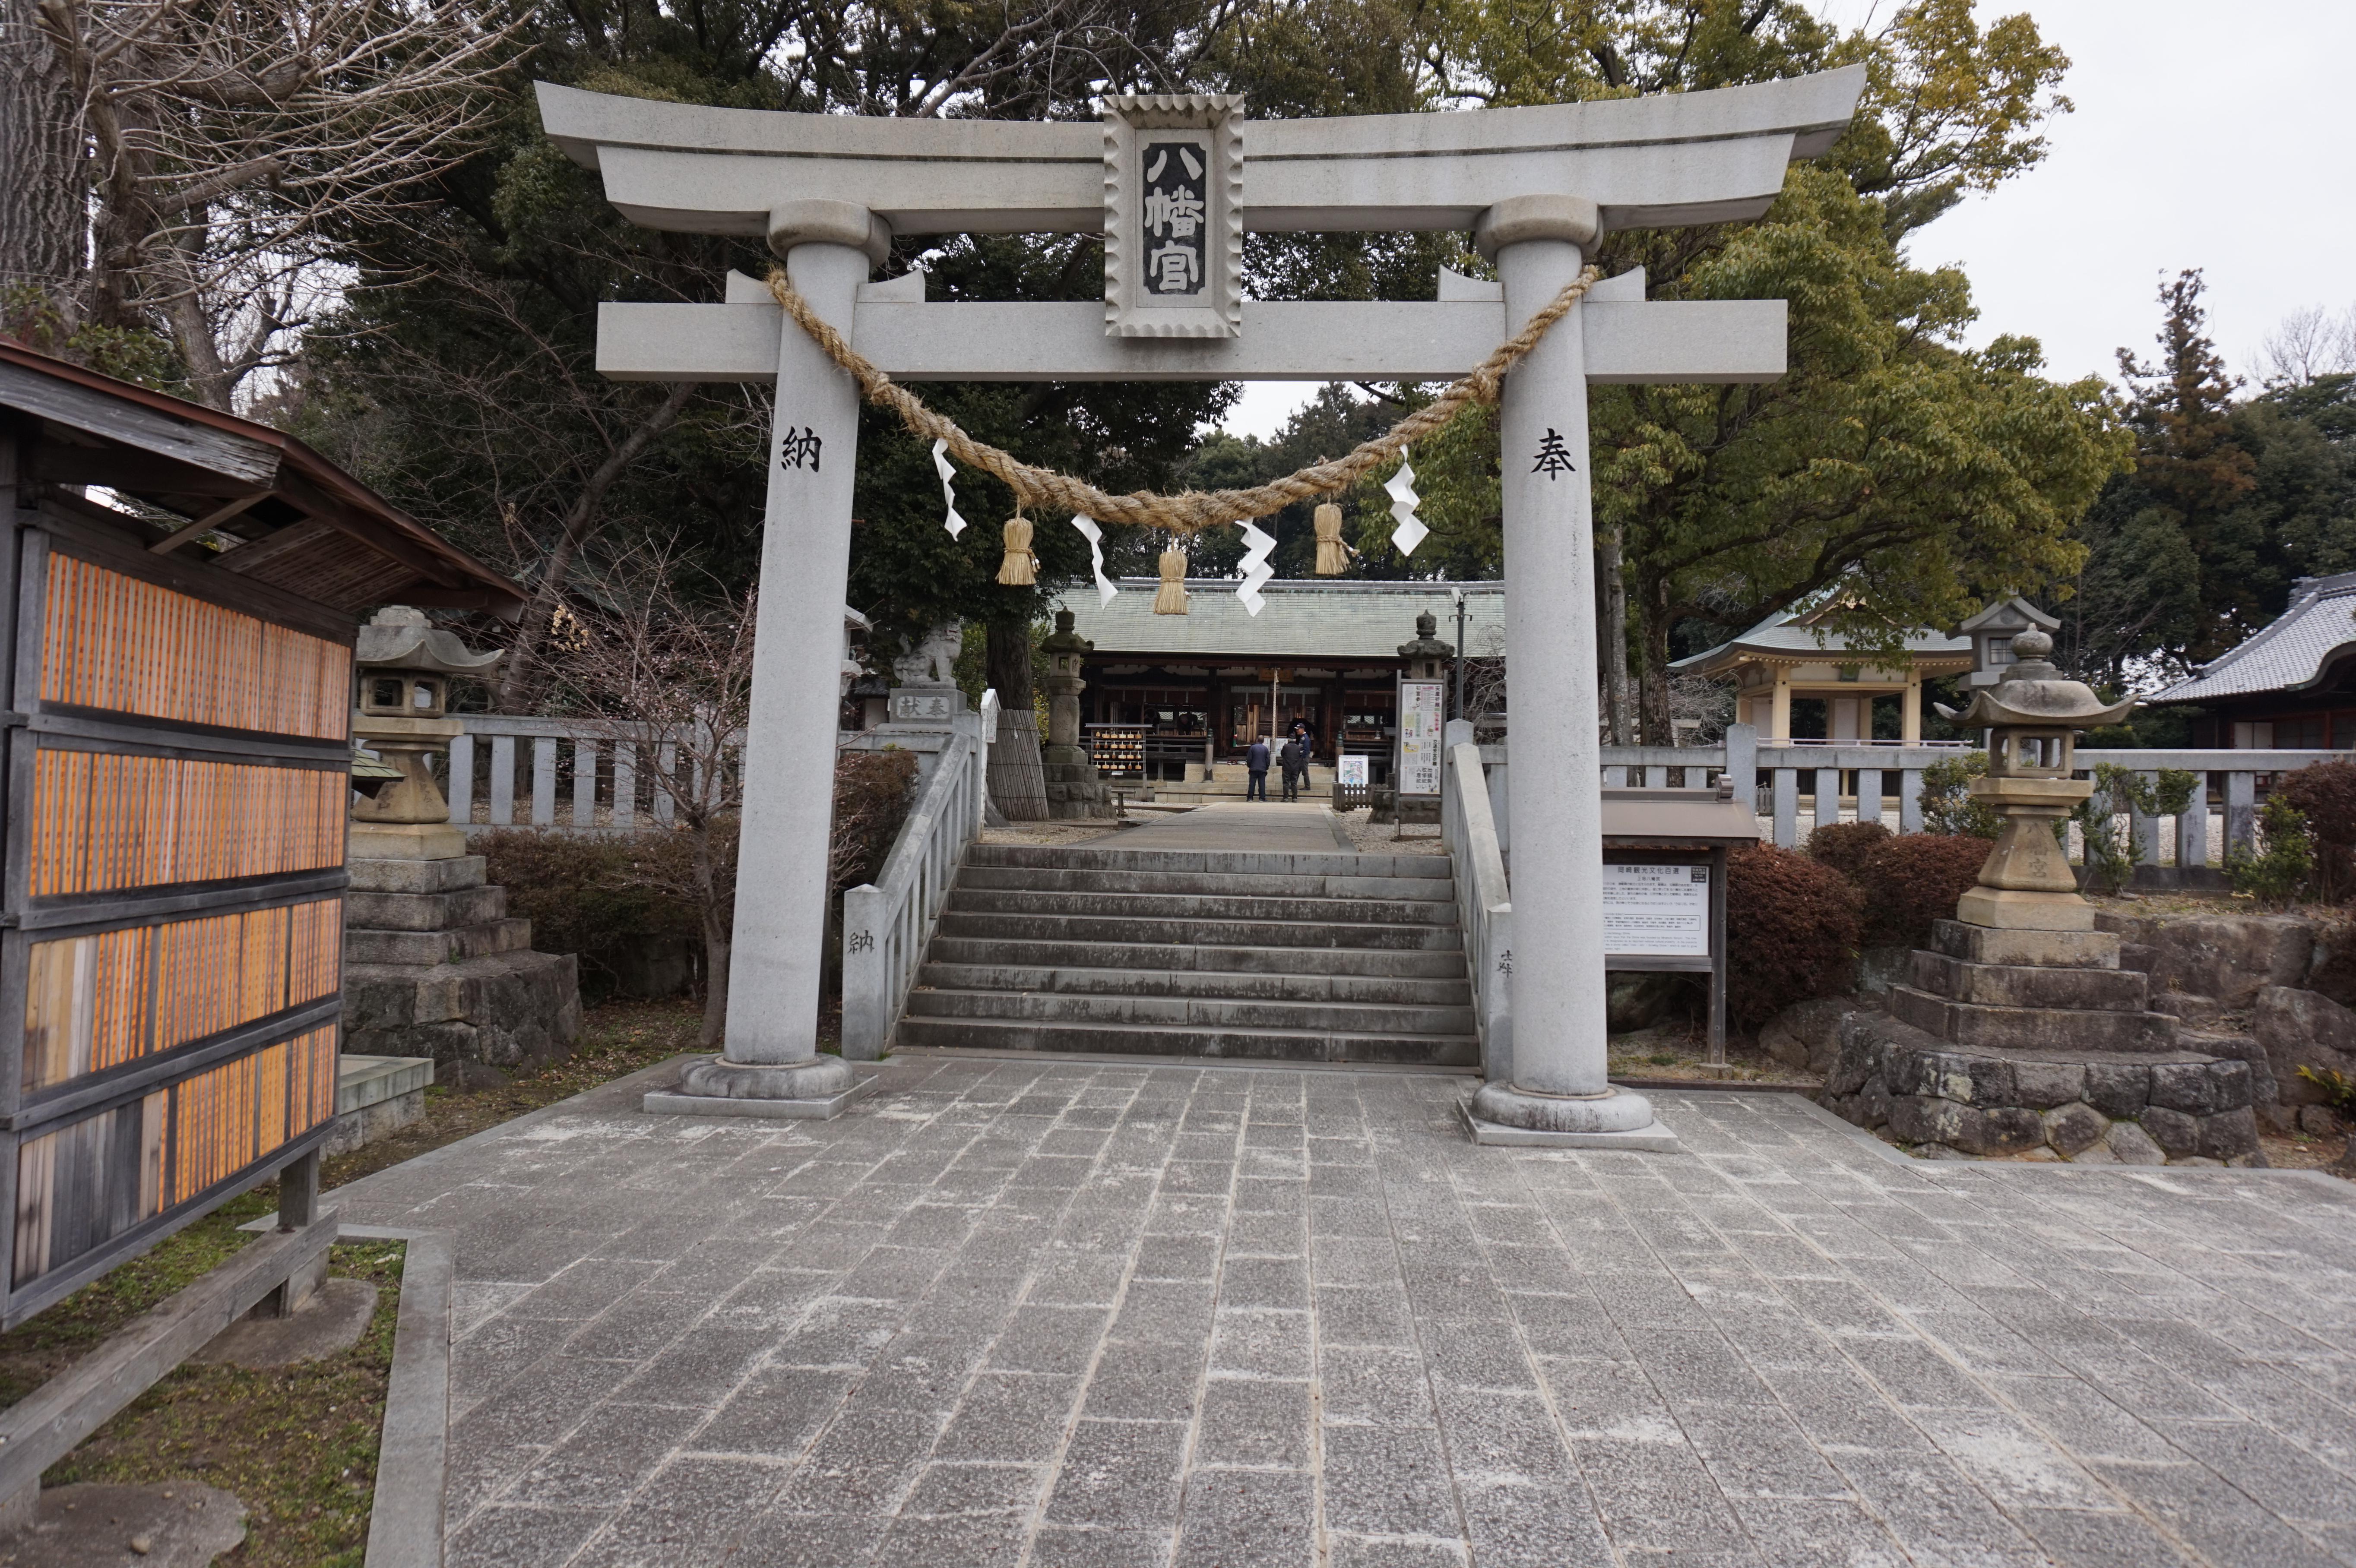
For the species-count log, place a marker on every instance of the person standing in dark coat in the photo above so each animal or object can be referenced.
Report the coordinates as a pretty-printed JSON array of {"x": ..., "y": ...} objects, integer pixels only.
[
  {"x": 1255, "y": 766},
  {"x": 1295, "y": 759}
]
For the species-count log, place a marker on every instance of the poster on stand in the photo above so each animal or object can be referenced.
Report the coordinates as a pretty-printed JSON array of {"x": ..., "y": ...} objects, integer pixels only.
[{"x": 1421, "y": 703}]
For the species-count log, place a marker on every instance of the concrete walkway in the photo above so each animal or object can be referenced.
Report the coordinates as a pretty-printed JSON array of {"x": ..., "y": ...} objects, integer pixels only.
[
  {"x": 1047, "y": 1312},
  {"x": 1281, "y": 827}
]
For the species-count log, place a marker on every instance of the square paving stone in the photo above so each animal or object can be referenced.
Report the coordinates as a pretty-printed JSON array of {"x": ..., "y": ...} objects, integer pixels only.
[
  {"x": 962, "y": 1487},
  {"x": 1121, "y": 1475},
  {"x": 1264, "y": 1518},
  {"x": 1010, "y": 1418},
  {"x": 1148, "y": 1380},
  {"x": 603, "y": 1458},
  {"x": 1387, "y": 1480},
  {"x": 513, "y": 1536},
  {"x": 1049, "y": 1340},
  {"x": 1264, "y": 1343},
  {"x": 862, "y": 1463},
  {"x": 776, "y": 1412},
  {"x": 810, "y": 1540},
  {"x": 1253, "y": 1421}
]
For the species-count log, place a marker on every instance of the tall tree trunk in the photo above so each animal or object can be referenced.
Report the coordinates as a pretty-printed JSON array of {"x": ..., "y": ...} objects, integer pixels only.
[
  {"x": 523, "y": 654},
  {"x": 41, "y": 224},
  {"x": 1615, "y": 634},
  {"x": 1652, "y": 684},
  {"x": 1017, "y": 781}
]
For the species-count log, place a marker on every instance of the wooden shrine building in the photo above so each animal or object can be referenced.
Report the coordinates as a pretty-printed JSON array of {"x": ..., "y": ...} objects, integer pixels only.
[
  {"x": 1792, "y": 655},
  {"x": 1202, "y": 684},
  {"x": 182, "y": 591},
  {"x": 2292, "y": 685}
]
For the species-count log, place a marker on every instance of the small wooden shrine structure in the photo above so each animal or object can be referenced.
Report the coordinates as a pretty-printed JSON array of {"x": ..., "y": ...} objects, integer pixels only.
[{"x": 181, "y": 594}]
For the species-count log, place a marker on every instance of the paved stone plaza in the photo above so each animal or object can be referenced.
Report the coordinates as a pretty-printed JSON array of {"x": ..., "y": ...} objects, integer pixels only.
[{"x": 1058, "y": 1312}]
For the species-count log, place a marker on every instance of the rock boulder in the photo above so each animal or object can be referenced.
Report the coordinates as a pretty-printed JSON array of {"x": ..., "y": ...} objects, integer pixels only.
[{"x": 2303, "y": 1028}]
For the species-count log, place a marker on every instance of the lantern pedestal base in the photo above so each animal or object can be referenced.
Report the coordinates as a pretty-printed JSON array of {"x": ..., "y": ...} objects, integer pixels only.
[
  {"x": 404, "y": 841},
  {"x": 1500, "y": 1113},
  {"x": 2020, "y": 909}
]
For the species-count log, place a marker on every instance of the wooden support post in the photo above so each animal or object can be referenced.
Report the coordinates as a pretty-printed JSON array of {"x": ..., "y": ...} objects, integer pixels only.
[{"x": 298, "y": 1208}]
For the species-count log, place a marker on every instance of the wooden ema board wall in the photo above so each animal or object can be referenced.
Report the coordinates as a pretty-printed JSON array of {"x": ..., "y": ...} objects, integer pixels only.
[
  {"x": 177, "y": 808},
  {"x": 93, "y": 1180}
]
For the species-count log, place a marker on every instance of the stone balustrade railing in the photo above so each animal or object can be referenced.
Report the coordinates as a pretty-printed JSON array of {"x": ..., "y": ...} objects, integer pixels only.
[
  {"x": 1484, "y": 907},
  {"x": 888, "y": 924},
  {"x": 1882, "y": 782}
]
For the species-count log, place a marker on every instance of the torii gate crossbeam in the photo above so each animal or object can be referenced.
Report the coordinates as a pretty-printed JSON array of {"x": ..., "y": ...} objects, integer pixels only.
[{"x": 1536, "y": 185}]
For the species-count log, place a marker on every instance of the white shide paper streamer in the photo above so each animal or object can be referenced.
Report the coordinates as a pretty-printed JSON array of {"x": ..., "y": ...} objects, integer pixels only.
[
  {"x": 955, "y": 524},
  {"x": 1410, "y": 532},
  {"x": 1105, "y": 591},
  {"x": 1256, "y": 570}
]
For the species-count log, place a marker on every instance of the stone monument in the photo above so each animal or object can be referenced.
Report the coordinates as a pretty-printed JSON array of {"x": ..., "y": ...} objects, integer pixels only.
[
  {"x": 1074, "y": 790},
  {"x": 433, "y": 964},
  {"x": 2017, "y": 1031}
]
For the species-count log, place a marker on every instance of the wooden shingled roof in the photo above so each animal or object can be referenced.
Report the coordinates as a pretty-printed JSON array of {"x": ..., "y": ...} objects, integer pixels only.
[{"x": 276, "y": 512}]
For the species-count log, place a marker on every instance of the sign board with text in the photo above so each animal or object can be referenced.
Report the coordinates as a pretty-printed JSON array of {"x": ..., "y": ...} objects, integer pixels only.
[{"x": 1656, "y": 910}]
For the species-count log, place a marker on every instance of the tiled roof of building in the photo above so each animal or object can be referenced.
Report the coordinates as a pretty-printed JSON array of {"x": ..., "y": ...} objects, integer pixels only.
[
  {"x": 1793, "y": 634},
  {"x": 2289, "y": 654},
  {"x": 1299, "y": 620}
]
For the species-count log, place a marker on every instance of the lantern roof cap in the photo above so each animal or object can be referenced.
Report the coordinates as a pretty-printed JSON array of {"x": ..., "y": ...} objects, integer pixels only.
[
  {"x": 2035, "y": 694},
  {"x": 400, "y": 637}
]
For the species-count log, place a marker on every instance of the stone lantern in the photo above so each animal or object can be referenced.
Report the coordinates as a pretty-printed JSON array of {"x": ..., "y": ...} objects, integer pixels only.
[
  {"x": 1427, "y": 658},
  {"x": 403, "y": 666},
  {"x": 2032, "y": 715},
  {"x": 1074, "y": 790}
]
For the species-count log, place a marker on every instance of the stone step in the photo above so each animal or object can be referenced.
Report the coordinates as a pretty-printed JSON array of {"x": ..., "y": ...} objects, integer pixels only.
[
  {"x": 1048, "y": 878},
  {"x": 422, "y": 947},
  {"x": 2042, "y": 949},
  {"x": 2025, "y": 1028},
  {"x": 2021, "y": 986},
  {"x": 1281, "y": 986},
  {"x": 423, "y": 911},
  {"x": 1165, "y": 1040},
  {"x": 1222, "y": 1013},
  {"x": 1202, "y": 906},
  {"x": 1258, "y": 863},
  {"x": 1148, "y": 957},
  {"x": 1302, "y": 933}
]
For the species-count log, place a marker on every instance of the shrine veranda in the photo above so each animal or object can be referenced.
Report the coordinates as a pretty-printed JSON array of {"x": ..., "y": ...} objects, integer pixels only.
[{"x": 1536, "y": 186}]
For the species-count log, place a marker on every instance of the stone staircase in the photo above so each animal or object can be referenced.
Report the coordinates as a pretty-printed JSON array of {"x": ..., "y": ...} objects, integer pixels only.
[{"x": 1306, "y": 957}]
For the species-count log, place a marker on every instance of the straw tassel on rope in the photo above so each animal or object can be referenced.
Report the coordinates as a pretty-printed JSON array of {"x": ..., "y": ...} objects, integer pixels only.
[
  {"x": 1333, "y": 555},
  {"x": 1169, "y": 599},
  {"x": 1021, "y": 568}
]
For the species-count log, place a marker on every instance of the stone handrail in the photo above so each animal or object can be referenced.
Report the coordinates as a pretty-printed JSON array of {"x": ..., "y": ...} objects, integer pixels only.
[
  {"x": 1483, "y": 902},
  {"x": 611, "y": 785},
  {"x": 888, "y": 924}
]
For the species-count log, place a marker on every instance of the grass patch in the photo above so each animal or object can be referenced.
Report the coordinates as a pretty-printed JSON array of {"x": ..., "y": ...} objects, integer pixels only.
[{"x": 296, "y": 1445}]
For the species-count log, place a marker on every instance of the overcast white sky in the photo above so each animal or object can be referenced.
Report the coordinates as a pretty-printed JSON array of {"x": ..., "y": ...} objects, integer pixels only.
[{"x": 2205, "y": 135}]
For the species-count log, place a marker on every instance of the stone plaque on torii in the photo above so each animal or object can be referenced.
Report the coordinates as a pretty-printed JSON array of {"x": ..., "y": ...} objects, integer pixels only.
[{"x": 1535, "y": 185}]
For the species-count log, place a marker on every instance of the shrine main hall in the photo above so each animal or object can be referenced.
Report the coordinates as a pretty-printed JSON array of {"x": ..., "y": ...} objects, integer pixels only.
[{"x": 1201, "y": 686}]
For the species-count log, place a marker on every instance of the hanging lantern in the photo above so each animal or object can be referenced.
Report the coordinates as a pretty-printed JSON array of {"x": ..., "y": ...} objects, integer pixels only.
[
  {"x": 1021, "y": 568},
  {"x": 1333, "y": 555},
  {"x": 1169, "y": 599}
]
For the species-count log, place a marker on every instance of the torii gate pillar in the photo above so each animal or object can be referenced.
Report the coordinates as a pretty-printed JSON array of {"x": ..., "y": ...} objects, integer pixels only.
[
  {"x": 771, "y": 1048},
  {"x": 1559, "y": 1093}
]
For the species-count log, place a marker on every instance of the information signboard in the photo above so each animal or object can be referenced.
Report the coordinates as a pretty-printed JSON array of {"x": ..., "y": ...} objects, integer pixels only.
[
  {"x": 1421, "y": 703},
  {"x": 1656, "y": 910},
  {"x": 1350, "y": 771}
]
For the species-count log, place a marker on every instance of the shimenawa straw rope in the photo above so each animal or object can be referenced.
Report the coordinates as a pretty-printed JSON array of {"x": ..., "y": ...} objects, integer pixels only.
[{"x": 1194, "y": 510}]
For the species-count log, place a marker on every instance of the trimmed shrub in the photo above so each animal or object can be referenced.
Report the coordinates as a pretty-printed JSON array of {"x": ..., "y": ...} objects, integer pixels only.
[
  {"x": 1913, "y": 880},
  {"x": 2325, "y": 793},
  {"x": 1844, "y": 845},
  {"x": 581, "y": 894},
  {"x": 1792, "y": 932},
  {"x": 2278, "y": 872},
  {"x": 1947, "y": 803}
]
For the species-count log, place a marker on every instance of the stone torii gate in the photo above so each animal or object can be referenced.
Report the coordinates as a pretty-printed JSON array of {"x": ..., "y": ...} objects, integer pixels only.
[{"x": 1536, "y": 186}]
